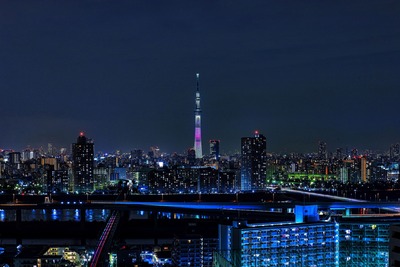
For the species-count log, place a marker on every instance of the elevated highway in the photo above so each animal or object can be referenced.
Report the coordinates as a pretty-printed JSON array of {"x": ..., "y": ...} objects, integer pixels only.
[
  {"x": 104, "y": 243},
  {"x": 206, "y": 207}
]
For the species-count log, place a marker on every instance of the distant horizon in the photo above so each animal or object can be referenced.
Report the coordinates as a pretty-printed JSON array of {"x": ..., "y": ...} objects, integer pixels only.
[{"x": 44, "y": 146}]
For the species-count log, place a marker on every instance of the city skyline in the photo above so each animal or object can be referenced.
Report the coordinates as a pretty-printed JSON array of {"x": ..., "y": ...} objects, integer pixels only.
[{"x": 299, "y": 72}]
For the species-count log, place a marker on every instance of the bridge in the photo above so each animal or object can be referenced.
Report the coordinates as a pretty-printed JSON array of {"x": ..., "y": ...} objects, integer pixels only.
[
  {"x": 105, "y": 240},
  {"x": 206, "y": 208}
]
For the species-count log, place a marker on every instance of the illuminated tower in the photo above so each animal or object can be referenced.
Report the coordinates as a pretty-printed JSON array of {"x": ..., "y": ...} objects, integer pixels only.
[{"x": 197, "y": 123}]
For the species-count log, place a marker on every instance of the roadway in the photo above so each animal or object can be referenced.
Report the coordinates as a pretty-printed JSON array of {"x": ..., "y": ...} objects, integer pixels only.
[
  {"x": 206, "y": 207},
  {"x": 104, "y": 240}
]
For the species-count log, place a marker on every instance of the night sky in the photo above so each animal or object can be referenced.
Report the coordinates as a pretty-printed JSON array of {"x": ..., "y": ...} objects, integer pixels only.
[{"x": 124, "y": 72}]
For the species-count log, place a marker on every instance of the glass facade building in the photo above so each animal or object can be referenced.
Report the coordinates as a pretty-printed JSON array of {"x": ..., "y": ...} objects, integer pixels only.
[
  {"x": 364, "y": 243},
  {"x": 283, "y": 244}
]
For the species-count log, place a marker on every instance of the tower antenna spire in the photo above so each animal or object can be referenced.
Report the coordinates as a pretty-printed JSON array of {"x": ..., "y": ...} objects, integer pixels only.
[{"x": 198, "y": 82}]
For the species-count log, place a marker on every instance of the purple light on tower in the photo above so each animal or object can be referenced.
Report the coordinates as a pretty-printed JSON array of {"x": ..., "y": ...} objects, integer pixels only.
[{"x": 197, "y": 123}]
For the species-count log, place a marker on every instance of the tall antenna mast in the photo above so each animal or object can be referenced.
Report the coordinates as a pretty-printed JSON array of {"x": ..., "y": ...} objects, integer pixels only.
[{"x": 197, "y": 122}]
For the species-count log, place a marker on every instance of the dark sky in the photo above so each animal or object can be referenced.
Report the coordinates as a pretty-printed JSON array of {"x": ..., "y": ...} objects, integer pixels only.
[{"x": 124, "y": 72}]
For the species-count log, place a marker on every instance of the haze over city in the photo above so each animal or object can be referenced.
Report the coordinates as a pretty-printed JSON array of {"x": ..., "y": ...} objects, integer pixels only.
[{"x": 124, "y": 73}]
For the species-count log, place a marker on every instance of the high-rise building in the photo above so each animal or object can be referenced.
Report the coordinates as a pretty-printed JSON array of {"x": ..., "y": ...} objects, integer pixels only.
[
  {"x": 155, "y": 152},
  {"x": 82, "y": 164},
  {"x": 322, "y": 153},
  {"x": 214, "y": 148},
  {"x": 354, "y": 152},
  {"x": 137, "y": 157},
  {"x": 191, "y": 156},
  {"x": 50, "y": 166},
  {"x": 394, "y": 151},
  {"x": 61, "y": 180},
  {"x": 254, "y": 162},
  {"x": 339, "y": 154},
  {"x": 50, "y": 149},
  {"x": 15, "y": 160},
  {"x": 197, "y": 123},
  {"x": 363, "y": 168}
]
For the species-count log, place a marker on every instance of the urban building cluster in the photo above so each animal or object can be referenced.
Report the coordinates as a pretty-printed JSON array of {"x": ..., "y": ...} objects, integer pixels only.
[{"x": 39, "y": 171}]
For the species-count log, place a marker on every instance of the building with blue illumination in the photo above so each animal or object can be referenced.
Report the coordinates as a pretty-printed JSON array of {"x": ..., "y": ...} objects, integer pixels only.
[
  {"x": 364, "y": 242},
  {"x": 306, "y": 242}
]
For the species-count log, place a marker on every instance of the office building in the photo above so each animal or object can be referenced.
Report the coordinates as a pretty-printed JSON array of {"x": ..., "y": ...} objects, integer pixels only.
[
  {"x": 227, "y": 182},
  {"x": 254, "y": 162},
  {"x": 101, "y": 176},
  {"x": 363, "y": 169},
  {"x": 61, "y": 180},
  {"x": 339, "y": 154},
  {"x": 394, "y": 152},
  {"x": 191, "y": 156},
  {"x": 214, "y": 149},
  {"x": 322, "y": 152},
  {"x": 137, "y": 158},
  {"x": 82, "y": 164}
]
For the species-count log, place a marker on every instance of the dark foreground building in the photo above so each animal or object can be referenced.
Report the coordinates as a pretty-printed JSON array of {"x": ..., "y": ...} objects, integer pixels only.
[{"x": 82, "y": 164}]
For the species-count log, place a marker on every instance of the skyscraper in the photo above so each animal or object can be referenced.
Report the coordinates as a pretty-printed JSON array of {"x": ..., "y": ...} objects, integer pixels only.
[
  {"x": 394, "y": 151},
  {"x": 82, "y": 160},
  {"x": 214, "y": 148},
  {"x": 197, "y": 123},
  {"x": 322, "y": 152},
  {"x": 254, "y": 162},
  {"x": 363, "y": 168}
]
